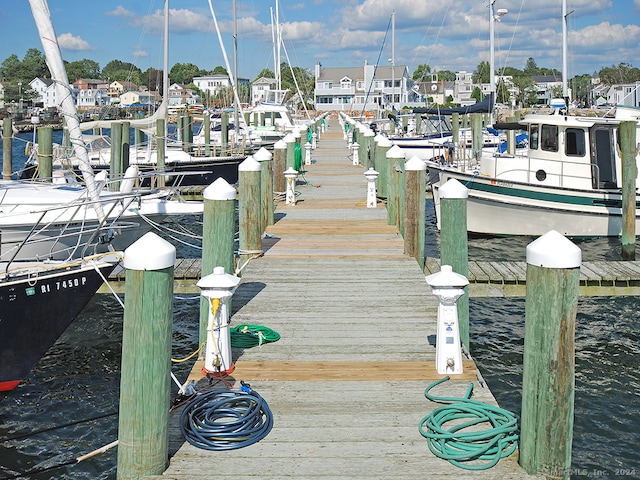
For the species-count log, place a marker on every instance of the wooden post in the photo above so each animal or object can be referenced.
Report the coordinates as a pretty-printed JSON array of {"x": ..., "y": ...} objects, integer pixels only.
[
  {"x": 218, "y": 234},
  {"x": 279, "y": 166},
  {"x": 367, "y": 160},
  {"x": 290, "y": 140},
  {"x": 548, "y": 376},
  {"x": 7, "y": 148},
  {"x": 629, "y": 176},
  {"x": 455, "y": 130},
  {"x": 414, "y": 234},
  {"x": 206, "y": 125},
  {"x": 45, "y": 154},
  {"x": 264, "y": 156},
  {"x": 454, "y": 248},
  {"x": 395, "y": 157},
  {"x": 126, "y": 144},
  {"x": 249, "y": 225},
  {"x": 381, "y": 165},
  {"x": 160, "y": 149},
  {"x": 145, "y": 384},
  {"x": 476, "y": 131},
  {"x": 115, "y": 167},
  {"x": 224, "y": 131}
]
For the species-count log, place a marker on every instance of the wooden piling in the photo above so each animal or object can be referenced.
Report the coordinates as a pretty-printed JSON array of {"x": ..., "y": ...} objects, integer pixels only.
[
  {"x": 629, "y": 176},
  {"x": 145, "y": 384},
  {"x": 381, "y": 165},
  {"x": 45, "y": 154},
  {"x": 279, "y": 166},
  {"x": 126, "y": 144},
  {"x": 250, "y": 233},
  {"x": 206, "y": 125},
  {"x": 455, "y": 130},
  {"x": 476, "y": 131},
  {"x": 290, "y": 141},
  {"x": 369, "y": 147},
  {"x": 396, "y": 159},
  {"x": 161, "y": 143},
  {"x": 414, "y": 221},
  {"x": 115, "y": 167},
  {"x": 224, "y": 130},
  {"x": 7, "y": 148},
  {"x": 264, "y": 156},
  {"x": 548, "y": 377},
  {"x": 454, "y": 249},
  {"x": 218, "y": 235}
]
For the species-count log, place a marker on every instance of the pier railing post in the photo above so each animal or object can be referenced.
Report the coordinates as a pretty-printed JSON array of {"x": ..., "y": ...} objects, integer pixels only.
[
  {"x": 629, "y": 176},
  {"x": 45, "y": 153},
  {"x": 218, "y": 236},
  {"x": 454, "y": 248},
  {"x": 249, "y": 215},
  {"x": 548, "y": 376},
  {"x": 264, "y": 156},
  {"x": 143, "y": 429},
  {"x": 279, "y": 166},
  {"x": 380, "y": 164},
  {"x": 395, "y": 158},
  {"x": 7, "y": 150},
  {"x": 414, "y": 221}
]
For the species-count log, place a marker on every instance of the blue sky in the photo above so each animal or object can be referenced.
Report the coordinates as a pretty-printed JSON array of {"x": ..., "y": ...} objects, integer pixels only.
[{"x": 445, "y": 34}]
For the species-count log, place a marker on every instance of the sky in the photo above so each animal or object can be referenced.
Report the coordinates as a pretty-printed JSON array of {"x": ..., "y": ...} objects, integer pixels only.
[{"x": 444, "y": 34}]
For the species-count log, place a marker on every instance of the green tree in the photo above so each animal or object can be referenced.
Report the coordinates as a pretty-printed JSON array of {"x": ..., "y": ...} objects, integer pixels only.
[
  {"x": 122, "y": 71},
  {"x": 220, "y": 70},
  {"x": 422, "y": 73},
  {"x": 622, "y": 73},
  {"x": 153, "y": 79},
  {"x": 184, "y": 73},
  {"x": 446, "y": 75},
  {"x": 531, "y": 68},
  {"x": 303, "y": 77},
  {"x": 580, "y": 88},
  {"x": 502, "y": 92},
  {"x": 266, "y": 73},
  {"x": 482, "y": 73},
  {"x": 82, "y": 69},
  {"x": 477, "y": 94}
]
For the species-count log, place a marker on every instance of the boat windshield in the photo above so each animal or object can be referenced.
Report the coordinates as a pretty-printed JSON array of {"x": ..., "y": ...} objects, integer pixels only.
[{"x": 436, "y": 125}]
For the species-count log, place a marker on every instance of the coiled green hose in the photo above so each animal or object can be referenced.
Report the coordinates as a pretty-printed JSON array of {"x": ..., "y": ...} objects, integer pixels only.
[
  {"x": 461, "y": 444},
  {"x": 247, "y": 336}
]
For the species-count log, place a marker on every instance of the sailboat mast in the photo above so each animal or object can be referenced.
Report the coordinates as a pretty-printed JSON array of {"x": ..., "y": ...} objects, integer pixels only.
[
  {"x": 235, "y": 59},
  {"x": 278, "y": 43},
  {"x": 393, "y": 58},
  {"x": 165, "y": 79},
  {"x": 565, "y": 92},
  {"x": 42, "y": 17}
]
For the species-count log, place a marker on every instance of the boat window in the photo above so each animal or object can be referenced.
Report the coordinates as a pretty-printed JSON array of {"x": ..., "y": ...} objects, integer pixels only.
[
  {"x": 549, "y": 138},
  {"x": 575, "y": 142},
  {"x": 533, "y": 137}
]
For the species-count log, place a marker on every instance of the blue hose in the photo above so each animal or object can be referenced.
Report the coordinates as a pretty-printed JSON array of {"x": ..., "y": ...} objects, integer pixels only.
[
  {"x": 226, "y": 419},
  {"x": 461, "y": 444}
]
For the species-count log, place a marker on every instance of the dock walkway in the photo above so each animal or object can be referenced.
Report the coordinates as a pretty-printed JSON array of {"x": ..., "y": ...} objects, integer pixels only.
[{"x": 357, "y": 322}]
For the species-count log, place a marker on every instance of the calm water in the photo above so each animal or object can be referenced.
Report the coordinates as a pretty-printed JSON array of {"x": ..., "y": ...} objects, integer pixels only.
[{"x": 78, "y": 380}]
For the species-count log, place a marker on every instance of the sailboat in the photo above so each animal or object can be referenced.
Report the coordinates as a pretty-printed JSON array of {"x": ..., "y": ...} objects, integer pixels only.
[
  {"x": 53, "y": 235},
  {"x": 569, "y": 180}
]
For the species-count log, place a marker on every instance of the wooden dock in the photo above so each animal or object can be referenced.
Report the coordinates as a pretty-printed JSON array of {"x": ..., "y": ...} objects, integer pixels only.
[
  {"x": 486, "y": 279},
  {"x": 357, "y": 322}
]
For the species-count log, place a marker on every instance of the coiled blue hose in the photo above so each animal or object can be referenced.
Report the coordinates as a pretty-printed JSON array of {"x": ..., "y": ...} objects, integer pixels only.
[
  {"x": 461, "y": 443},
  {"x": 226, "y": 419}
]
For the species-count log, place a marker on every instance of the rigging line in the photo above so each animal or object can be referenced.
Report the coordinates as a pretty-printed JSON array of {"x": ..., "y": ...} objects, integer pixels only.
[
  {"x": 513, "y": 34},
  {"x": 437, "y": 34},
  {"x": 366, "y": 98},
  {"x": 295, "y": 80}
]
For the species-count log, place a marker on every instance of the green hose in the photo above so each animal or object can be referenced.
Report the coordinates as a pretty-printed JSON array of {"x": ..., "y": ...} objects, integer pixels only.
[
  {"x": 461, "y": 443},
  {"x": 247, "y": 336}
]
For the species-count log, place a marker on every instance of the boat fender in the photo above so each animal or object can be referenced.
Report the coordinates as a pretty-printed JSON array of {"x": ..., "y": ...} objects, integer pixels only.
[
  {"x": 129, "y": 180},
  {"x": 28, "y": 149}
]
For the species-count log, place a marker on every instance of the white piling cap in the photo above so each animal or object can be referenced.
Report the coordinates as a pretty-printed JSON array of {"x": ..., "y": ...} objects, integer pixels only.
[
  {"x": 395, "y": 152},
  {"x": 369, "y": 133},
  {"x": 289, "y": 138},
  {"x": 415, "y": 164},
  {"x": 280, "y": 145},
  {"x": 249, "y": 164},
  {"x": 554, "y": 250},
  {"x": 383, "y": 141},
  {"x": 263, "y": 155},
  {"x": 446, "y": 278},
  {"x": 219, "y": 190},
  {"x": 453, "y": 189},
  {"x": 150, "y": 252}
]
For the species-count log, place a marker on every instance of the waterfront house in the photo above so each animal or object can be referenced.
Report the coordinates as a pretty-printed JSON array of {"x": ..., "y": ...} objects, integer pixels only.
[
  {"x": 259, "y": 89},
  {"x": 46, "y": 91}
]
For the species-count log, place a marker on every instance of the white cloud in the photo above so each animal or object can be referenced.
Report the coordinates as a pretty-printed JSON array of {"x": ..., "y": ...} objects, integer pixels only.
[
  {"x": 120, "y": 11},
  {"x": 68, "y": 41},
  {"x": 140, "y": 53}
]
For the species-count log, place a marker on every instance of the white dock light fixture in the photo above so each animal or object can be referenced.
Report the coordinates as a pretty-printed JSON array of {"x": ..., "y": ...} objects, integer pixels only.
[
  {"x": 371, "y": 176},
  {"x": 448, "y": 286},
  {"x": 356, "y": 158},
  {"x": 218, "y": 289},
  {"x": 290, "y": 176}
]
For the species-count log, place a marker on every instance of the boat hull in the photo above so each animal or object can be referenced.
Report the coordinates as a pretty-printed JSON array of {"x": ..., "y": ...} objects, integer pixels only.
[
  {"x": 497, "y": 207},
  {"x": 36, "y": 309}
]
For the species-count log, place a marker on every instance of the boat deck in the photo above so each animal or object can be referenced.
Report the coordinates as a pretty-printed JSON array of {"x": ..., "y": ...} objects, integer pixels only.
[{"x": 357, "y": 322}]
